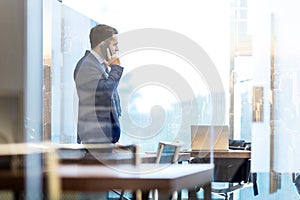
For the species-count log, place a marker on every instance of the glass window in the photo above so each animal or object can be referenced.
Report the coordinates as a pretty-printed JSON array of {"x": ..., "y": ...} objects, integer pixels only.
[{"x": 181, "y": 96}]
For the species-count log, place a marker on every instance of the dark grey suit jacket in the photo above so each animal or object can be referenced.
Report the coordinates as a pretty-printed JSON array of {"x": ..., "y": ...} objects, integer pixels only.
[{"x": 98, "y": 111}]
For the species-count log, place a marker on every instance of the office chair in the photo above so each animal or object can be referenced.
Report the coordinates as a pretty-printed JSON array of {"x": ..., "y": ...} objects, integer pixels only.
[
  {"x": 235, "y": 172},
  {"x": 296, "y": 181},
  {"x": 167, "y": 152},
  {"x": 241, "y": 175}
]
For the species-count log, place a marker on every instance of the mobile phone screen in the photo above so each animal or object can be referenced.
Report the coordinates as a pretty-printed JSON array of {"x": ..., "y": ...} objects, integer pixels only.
[{"x": 104, "y": 50}]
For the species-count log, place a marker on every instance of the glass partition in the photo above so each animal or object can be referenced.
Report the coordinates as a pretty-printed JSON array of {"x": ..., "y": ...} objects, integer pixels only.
[
  {"x": 286, "y": 86},
  {"x": 203, "y": 63},
  {"x": 184, "y": 89}
]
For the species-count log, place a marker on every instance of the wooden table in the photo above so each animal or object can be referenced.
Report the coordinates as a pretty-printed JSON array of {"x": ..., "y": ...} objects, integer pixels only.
[
  {"x": 167, "y": 178},
  {"x": 77, "y": 177},
  {"x": 150, "y": 157},
  {"x": 113, "y": 158},
  {"x": 221, "y": 154},
  {"x": 164, "y": 177}
]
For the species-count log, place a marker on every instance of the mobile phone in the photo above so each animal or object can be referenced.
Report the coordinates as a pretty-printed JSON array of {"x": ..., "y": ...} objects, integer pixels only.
[{"x": 104, "y": 48}]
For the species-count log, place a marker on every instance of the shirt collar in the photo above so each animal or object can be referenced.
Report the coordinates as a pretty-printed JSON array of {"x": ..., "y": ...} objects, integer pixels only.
[
  {"x": 98, "y": 57},
  {"x": 105, "y": 68}
]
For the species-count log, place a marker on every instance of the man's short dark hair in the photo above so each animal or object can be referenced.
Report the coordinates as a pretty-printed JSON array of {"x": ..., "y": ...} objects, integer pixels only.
[{"x": 100, "y": 33}]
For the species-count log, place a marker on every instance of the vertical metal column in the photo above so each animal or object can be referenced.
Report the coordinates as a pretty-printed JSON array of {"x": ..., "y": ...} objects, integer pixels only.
[
  {"x": 275, "y": 178},
  {"x": 47, "y": 68}
]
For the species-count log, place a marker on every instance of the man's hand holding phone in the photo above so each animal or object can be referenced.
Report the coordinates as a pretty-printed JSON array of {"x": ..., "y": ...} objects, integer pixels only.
[{"x": 112, "y": 60}]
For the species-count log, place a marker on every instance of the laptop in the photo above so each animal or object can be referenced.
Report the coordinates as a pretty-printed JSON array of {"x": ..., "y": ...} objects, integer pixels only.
[{"x": 201, "y": 137}]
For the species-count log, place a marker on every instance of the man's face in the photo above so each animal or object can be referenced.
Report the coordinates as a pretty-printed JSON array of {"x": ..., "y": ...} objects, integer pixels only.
[{"x": 113, "y": 45}]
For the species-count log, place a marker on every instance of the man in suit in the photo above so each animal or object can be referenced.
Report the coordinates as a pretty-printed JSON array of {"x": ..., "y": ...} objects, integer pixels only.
[{"x": 97, "y": 75}]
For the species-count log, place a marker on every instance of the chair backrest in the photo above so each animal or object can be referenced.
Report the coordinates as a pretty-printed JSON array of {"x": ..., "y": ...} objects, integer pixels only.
[
  {"x": 168, "y": 152},
  {"x": 239, "y": 145}
]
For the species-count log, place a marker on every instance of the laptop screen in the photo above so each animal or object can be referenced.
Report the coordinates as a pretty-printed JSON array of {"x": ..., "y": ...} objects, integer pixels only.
[{"x": 209, "y": 137}]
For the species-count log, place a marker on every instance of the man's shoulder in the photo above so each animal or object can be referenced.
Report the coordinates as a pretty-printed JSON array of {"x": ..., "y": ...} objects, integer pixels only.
[
  {"x": 87, "y": 62},
  {"x": 88, "y": 58}
]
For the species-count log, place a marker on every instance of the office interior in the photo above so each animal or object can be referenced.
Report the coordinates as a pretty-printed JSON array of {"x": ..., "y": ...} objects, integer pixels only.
[{"x": 247, "y": 78}]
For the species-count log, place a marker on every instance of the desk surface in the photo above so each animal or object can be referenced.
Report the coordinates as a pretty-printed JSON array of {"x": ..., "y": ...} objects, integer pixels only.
[
  {"x": 165, "y": 178},
  {"x": 221, "y": 154},
  {"x": 114, "y": 158},
  {"x": 144, "y": 177}
]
